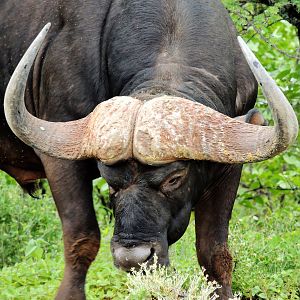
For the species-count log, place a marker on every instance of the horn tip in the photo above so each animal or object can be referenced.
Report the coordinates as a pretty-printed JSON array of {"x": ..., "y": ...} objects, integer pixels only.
[{"x": 47, "y": 26}]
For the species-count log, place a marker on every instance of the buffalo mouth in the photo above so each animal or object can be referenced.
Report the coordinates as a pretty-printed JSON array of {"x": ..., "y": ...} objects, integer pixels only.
[{"x": 134, "y": 255}]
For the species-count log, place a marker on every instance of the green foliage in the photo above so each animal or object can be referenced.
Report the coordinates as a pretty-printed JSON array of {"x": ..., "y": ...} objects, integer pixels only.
[
  {"x": 27, "y": 226},
  {"x": 32, "y": 278},
  {"x": 266, "y": 247},
  {"x": 261, "y": 14}
]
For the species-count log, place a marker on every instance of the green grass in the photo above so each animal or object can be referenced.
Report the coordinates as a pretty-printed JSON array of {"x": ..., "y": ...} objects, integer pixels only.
[{"x": 264, "y": 239}]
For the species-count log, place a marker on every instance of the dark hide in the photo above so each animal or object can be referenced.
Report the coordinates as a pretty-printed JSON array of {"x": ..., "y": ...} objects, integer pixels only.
[{"x": 99, "y": 49}]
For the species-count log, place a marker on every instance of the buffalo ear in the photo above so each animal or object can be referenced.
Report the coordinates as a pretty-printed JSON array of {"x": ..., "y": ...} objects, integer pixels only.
[{"x": 253, "y": 116}]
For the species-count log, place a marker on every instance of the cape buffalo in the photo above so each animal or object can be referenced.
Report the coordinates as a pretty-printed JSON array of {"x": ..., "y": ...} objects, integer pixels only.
[{"x": 145, "y": 93}]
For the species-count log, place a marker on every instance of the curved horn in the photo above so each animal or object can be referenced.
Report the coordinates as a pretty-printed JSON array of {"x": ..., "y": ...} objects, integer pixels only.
[
  {"x": 104, "y": 134},
  {"x": 285, "y": 120},
  {"x": 180, "y": 129}
]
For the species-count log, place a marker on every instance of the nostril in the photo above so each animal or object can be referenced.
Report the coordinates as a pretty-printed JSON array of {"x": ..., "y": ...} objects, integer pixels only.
[{"x": 152, "y": 252}]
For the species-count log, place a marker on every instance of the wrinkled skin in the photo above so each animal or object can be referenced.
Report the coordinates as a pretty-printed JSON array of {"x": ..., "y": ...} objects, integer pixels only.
[{"x": 144, "y": 49}]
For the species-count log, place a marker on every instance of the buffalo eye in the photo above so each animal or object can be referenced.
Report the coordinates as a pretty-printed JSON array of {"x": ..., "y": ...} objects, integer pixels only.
[{"x": 173, "y": 181}]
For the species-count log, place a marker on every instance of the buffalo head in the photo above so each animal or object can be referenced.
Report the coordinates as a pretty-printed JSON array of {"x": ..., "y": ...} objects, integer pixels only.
[{"x": 152, "y": 208}]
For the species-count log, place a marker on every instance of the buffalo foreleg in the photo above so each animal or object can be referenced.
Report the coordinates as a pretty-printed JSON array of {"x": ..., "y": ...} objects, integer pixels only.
[
  {"x": 212, "y": 214},
  {"x": 71, "y": 186}
]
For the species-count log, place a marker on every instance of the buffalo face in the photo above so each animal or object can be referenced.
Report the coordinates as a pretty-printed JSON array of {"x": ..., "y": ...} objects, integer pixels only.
[{"x": 152, "y": 207}]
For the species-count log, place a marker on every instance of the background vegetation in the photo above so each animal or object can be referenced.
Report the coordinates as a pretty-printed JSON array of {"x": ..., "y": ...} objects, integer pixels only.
[{"x": 265, "y": 227}]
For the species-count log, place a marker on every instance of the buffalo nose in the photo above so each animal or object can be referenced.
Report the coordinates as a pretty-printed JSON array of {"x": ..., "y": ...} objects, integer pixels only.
[{"x": 127, "y": 258}]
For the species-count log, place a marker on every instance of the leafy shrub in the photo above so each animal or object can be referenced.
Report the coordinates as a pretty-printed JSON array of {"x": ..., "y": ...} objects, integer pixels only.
[{"x": 158, "y": 282}]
